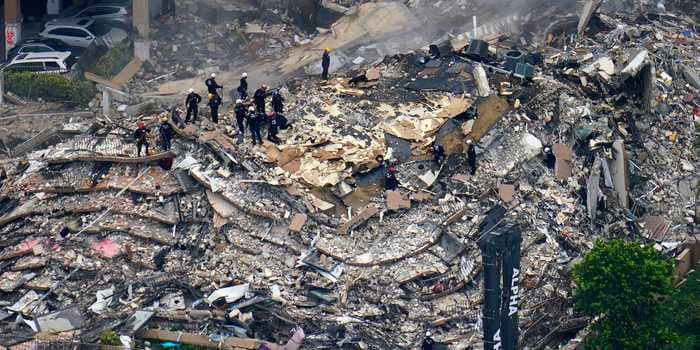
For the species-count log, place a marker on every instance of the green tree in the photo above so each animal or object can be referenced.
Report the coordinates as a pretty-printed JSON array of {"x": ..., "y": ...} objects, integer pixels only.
[
  {"x": 684, "y": 312},
  {"x": 623, "y": 284}
]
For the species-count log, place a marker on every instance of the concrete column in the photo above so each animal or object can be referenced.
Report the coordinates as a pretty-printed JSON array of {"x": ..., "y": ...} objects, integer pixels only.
[
  {"x": 13, "y": 24},
  {"x": 142, "y": 27},
  {"x": 2, "y": 88},
  {"x": 106, "y": 102}
]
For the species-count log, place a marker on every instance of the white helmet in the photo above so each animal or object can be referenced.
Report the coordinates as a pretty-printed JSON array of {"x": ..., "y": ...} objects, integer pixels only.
[
  {"x": 469, "y": 141},
  {"x": 251, "y": 108},
  {"x": 191, "y": 90},
  {"x": 239, "y": 101},
  {"x": 244, "y": 75},
  {"x": 427, "y": 334},
  {"x": 213, "y": 75}
]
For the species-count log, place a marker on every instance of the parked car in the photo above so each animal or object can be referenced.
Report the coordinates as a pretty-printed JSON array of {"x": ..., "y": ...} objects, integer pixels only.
[
  {"x": 108, "y": 12},
  {"x": 82, "y": 32},
  {"x": 42, "y": 45},
  {"x": 43, "y": 62}
]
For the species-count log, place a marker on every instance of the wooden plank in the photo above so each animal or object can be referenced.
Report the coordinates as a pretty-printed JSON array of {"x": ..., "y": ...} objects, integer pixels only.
[
  {"x": 202, "y": 340},
  {"x": 128, "y": 72},
  {"x": 115, "y": 159},
  {"x": 103, "y": 81}
]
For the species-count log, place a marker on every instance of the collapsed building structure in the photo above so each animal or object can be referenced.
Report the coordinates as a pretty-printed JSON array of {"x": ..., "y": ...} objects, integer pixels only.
[{"x": 235, "y": 246}]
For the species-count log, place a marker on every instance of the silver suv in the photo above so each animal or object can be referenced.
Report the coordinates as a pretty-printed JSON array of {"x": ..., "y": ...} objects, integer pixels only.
[{"x": 82, "y": 32}]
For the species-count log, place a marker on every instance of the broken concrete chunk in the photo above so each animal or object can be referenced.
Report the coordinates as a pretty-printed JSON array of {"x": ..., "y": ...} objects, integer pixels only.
[
  {"x": 358, "y": 219},
  {"x": 691, "y": 76},
  {"x": 297, "y": 223},
  {"x": 482, "y": 81},
  {"x": 563, "y": 155},
  {"x": 396, "y": 200},
  {"x": 60, "y": 321},
  {"x": 230, "y": 294},
  {"x": 104, "y": 298}
]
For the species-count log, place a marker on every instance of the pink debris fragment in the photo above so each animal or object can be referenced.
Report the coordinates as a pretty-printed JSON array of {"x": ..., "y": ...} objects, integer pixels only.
[
  {"x": 27, "y": 246},
  {"x": 107, "y": 248}
]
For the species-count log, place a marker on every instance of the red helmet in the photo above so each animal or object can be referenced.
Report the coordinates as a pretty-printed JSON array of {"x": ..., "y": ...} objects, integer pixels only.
[{"x": 141, "y": 125}]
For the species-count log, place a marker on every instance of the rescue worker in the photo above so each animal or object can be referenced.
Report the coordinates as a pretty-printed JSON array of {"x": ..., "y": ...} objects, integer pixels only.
[
  {"x": 548, "y": 157},
  {"x": 277, "y": 102},
  {"x": 282, "y": 122},
  {"x": 427, "y": 342},
  {"x": 140, "y": 136},
  {"x": 259, "y": 98},
  {"x": 243, "y": 87},
  {"x": 192, "y": 104},
  {"x": 255, "y": 120},
  {"x": 166, "y": 133},
  {"x": 214, "y": 103},
  {"x": 391, "y": 182},
  {"x": 325, "y": 63},
  {"x": 212, "y": 85},
  {"x": 471, "y": 156},
  {"x": 438, "y": 153},
  {"x": 241, "y": 115},
  {"x": 272, "y": 128}
]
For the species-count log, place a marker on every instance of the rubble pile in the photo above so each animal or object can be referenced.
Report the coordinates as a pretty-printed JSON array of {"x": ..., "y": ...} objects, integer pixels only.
[{"x": 580, "y": 137}]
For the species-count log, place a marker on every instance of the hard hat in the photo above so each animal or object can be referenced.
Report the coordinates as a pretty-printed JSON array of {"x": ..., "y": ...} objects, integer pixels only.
[
  {"x": 191, "y": 90},
  {"x": 210, "y": 96},
  {"x": 251, "y": 108},
  {"x": 327, "y": 50},
  {"x": 546, "y": 149},
  {"x": 213, "y": 75},
  {"x": 163, "y": 119},
  {"x": 141, "y": 125},
  {"x": 264, "y": 86},
  {"x": 469, "y": 141},
  {"x": 239, "y": 101},
  {"x": 244, "y": 75},
  {"x": 427, "y": 334}
]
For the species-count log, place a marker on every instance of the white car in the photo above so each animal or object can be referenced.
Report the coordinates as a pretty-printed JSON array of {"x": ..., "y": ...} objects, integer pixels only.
[
  {"x": 82, "y": 32},
  {"x": 119, "y": 12},
  {"x": 43, "y": 62}
]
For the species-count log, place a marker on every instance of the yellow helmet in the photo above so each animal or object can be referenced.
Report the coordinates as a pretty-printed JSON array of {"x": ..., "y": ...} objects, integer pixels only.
[
  {"x": 164, "y": 119},
  {"x": 327, "y": 50},
  {"x": 210, "y": 96}
]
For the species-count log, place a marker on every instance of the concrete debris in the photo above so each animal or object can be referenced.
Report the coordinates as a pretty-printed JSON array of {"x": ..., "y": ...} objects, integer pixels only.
[
  {"x": 351, "y": 221},
  {"x": 230, "y": 294}
]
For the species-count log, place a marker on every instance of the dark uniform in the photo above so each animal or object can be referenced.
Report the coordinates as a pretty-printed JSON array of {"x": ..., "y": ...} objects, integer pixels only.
[
  {"x": 277, "y": 102},
  {"x": 272, "y": 129},
  {"x": 141, "y": 140},
  {"x": 259, "y": 99},
  {"x": 471, "y": 158},
  {"x": 166, "y": 135},
  {"x": 548, "y": 158},
  {"x": 428, "y": 343},
  {"x": 192, "y": 103},
  {"x": 255, "y": 121},
  {"x": 438, "y": 153},
  {"x": 325, "y": 64},
  {"x": 212, "y": 85},
  {"x": 282, "y": 121},
  {"x": 241, "y": 114},
  {"x": 214, "y": 104},
  {"x": 243, "y": 89},
  {"x": 391, "y": 182}
]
